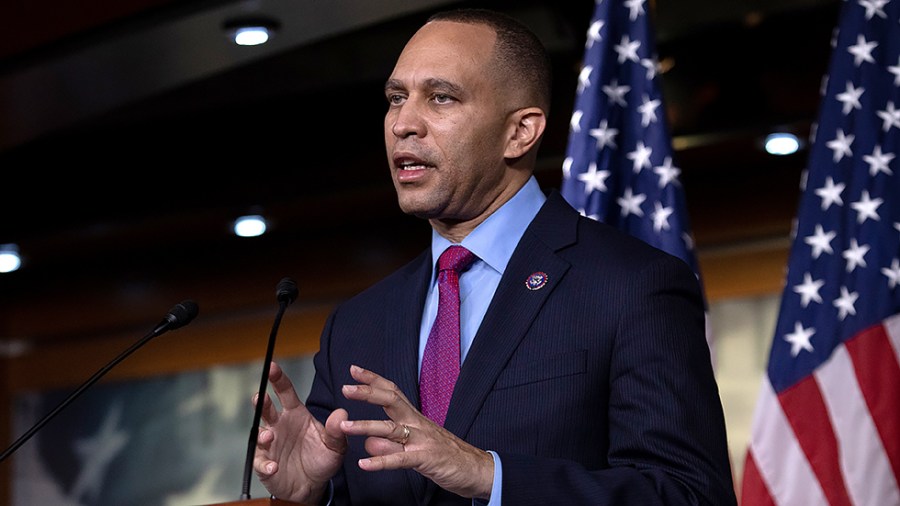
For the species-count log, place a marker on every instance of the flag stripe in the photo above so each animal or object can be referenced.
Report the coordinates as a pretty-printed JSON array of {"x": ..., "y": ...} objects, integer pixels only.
[
  {"x": 892, "y": 325},
  {"x": 754, "y": 488},
  {"x": 867, "y": 470},
  {"x": 877, "y": 370},
  {"x": 779, "y": 458},
  {"x": 808, "y": 417}
]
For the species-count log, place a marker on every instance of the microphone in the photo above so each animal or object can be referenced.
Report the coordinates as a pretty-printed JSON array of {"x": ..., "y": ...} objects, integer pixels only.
[
  {"x": 286, "y": 293},
  {"x": 180, "y": 315}
]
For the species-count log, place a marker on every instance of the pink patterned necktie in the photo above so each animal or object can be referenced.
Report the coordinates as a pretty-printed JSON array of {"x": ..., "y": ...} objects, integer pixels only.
[{"x": 440, "y": 364}]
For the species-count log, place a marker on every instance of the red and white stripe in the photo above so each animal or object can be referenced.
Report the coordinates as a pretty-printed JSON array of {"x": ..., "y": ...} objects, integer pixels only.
[{"x": 833, "y": 438}]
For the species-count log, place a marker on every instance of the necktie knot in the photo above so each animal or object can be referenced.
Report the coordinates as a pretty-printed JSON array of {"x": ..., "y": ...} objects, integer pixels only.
[{"x": 455, "y": 258}]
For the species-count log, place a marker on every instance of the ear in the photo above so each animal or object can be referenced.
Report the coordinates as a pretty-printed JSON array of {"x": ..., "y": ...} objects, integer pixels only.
[{"x": 528, "y": 127}]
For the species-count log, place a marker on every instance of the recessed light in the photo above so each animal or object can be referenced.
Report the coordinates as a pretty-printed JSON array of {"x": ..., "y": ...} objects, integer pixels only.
[
  {"x": 252, "y": 225},
  {"x": 250, "y": 31},
  {"x": 782, "y": 143},
  {"x": 9, "y": 258}
]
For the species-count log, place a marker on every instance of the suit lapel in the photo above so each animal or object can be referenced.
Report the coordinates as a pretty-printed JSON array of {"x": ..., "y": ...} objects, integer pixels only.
[
  {"x": 402, "y": 343},
  {"x": 511, "y": 312},
  {"x": 402, "y": 350},
  {"x": 513, "y": 308}
]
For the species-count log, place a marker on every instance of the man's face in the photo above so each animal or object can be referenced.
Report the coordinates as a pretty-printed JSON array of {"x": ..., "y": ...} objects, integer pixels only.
[{"x": 448, "y": 124}]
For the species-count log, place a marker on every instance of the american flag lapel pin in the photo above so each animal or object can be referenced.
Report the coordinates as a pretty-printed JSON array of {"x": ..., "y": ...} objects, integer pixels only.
[{"x": 536, "y": 280}]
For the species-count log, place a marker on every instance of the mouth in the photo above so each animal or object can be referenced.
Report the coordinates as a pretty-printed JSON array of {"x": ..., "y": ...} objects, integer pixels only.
[
  {"x": 410, "y": 168},
  {"x": 409, "y": 162}
]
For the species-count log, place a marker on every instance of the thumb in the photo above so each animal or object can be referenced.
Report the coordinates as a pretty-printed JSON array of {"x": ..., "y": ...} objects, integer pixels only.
[{"x": 333, "y": 436}]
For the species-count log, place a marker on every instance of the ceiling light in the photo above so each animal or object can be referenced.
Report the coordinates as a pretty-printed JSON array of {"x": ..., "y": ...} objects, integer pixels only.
[
  {"x": 250, "y": 32},
  {"x": 782, "y": 144},
  {"x": 250, "y": 226},
  {"x": 9, "y": 258}
]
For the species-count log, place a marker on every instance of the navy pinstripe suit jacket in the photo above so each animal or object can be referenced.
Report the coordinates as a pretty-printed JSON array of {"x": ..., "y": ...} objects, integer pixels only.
[{"x": 596, "y": 389}]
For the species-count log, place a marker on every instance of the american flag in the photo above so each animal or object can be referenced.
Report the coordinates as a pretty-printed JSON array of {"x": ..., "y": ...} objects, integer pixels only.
[
  {"x": 826, "y": 429},
  {"x": 620, "y": 167}
]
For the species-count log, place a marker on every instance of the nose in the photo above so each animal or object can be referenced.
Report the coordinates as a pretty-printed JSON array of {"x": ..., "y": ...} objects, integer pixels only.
[{"x": 405, "y": 120}]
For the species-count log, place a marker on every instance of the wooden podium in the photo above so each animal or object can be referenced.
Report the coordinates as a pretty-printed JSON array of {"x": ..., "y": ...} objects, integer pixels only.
[{"x": 258, "y": 502}]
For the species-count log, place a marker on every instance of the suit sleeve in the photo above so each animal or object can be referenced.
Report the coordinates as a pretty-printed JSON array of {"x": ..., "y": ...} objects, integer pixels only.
[{"x": 667, "y": 442}]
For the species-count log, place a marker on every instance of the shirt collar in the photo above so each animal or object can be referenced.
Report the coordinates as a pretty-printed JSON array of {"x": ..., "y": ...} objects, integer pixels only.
[{"x": 495, "y": 239}]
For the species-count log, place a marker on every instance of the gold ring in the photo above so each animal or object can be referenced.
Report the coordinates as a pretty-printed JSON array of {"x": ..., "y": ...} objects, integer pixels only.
[{"x": 405, "y": 437}]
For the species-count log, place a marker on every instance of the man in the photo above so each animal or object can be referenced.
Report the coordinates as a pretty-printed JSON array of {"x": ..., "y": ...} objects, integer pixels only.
[{"x": 585, "y": 375}]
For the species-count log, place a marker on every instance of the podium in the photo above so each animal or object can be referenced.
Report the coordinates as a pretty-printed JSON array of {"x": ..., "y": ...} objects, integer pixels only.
[{"x": 258, "y": 502}]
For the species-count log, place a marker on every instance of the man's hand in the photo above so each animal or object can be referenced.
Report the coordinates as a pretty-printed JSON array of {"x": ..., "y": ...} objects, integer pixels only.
[
  {"x": 409, "y": 440},
  {"x": 296, "y": 455}
]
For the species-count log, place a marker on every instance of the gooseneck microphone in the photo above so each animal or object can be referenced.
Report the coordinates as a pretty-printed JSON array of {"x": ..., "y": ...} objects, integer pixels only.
[
  {"x": 180, "y": 315},
  {"x": 286, "y": 293}
]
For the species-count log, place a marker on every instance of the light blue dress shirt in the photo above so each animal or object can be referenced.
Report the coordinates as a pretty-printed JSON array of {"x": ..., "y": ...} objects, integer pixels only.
[{"x": 493, "y": 242}]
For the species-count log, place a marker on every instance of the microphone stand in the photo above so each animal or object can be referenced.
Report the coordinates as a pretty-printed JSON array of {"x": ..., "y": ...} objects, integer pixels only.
[{"x": 286, "y": 292}]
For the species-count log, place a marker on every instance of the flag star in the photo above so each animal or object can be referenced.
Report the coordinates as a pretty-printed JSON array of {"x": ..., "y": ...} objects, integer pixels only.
[
  {"x": 630, "y": 203},
  {"x": 594, "y": 179},
  {"x": 652, "y": 67},
  {"x": 809, "y": 290},
  {"x": 605, "y": 136},
  {"x": 892, "y": 273},
  {"x": 96, "y": 453},
  {"x": 820, "y": 241},
  {"x": 575, "y": 122},
  {"x": 635, "y": 8},
  {"x": 845, "y": 303},
  {"x": 584, "y": 78},
  {"x": 890, "y": 116},
  {"x": 850, "y": 98},
  {"x": 666, "y": 172},
  {"x": 841, "y": 145},
  {"x": 878, "y": 161},
  {"x": 873, "y": 7},
  {"x": 895, "y": 69},
  {"x": 627, "y": 49},
  {"x": 799, "y": 339},
  {"x": 831, "y": 193},
  {"x": 593, "y": 33},
  {"x": 688, "y": 241},
  {"x": 660, "y": 217},
  {"x": 648, "y": 110},
  {"x": 866, "y": 207},
  {"x": 640, "y": 156},
  {"x": 862, "y": 51},
  {"x": 855, "y": 255},
  {"x": 567, "y": 167},
  {"x": 616, "y": 93}
]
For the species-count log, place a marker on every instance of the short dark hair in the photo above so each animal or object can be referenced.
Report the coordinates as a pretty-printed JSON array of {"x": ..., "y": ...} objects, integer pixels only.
[{"x": 519, "y": 52}]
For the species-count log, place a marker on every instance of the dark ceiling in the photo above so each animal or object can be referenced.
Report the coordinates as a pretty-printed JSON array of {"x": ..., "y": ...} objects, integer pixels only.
[{"x": 131, "y": 134}]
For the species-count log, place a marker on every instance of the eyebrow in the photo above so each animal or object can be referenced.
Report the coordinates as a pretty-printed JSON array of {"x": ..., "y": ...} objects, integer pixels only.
[{"x": 430, "y": 84}]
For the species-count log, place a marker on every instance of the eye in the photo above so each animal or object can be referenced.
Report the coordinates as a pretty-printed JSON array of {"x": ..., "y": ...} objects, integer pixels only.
[
  {"x": 442, "y": 98},
  {"x": 395, "y": 98}
]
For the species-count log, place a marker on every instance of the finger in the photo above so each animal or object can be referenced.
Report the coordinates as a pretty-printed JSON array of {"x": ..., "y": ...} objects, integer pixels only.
[
  {"x": 396, "y": 460},
  {"x": 376, "y": 446},
  {"x": 387, "y": 429},
  {"x": 264, "y": 438},
  {"x": 269, "y": 413},
  {"x": 264, "y": 467},
  {"x": 368, "y": 377},
  {"x": 333, "y": 436},
  {"x": 388, "y": 399},
  {"x": 283, "y": 387}
]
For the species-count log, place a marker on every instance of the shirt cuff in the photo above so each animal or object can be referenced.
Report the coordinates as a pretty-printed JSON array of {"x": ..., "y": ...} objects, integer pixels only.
[{"x": 496, "y": 488}]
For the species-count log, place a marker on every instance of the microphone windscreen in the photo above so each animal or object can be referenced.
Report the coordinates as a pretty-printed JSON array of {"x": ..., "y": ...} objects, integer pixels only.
[
  {"x": 182, "y": 313},
  {"x": 287, "y": 290}
]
